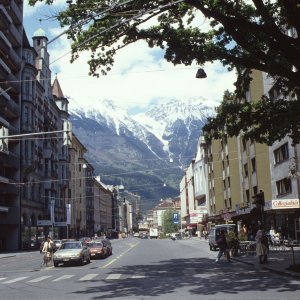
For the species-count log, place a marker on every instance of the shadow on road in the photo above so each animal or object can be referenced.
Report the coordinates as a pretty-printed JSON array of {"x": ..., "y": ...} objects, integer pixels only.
[{"x": 201, "y": 275}]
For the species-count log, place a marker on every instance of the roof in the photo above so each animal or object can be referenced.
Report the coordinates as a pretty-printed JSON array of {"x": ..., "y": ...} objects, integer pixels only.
[
  {"x": 39, "y": 33},
  {"x": 56, "y": 89}
]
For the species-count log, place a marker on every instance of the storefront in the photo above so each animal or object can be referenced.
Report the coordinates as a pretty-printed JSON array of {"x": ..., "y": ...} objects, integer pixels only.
[{"x": 284, "y": 216}]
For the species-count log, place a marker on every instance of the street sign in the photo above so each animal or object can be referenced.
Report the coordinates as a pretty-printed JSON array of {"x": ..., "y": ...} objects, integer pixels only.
[
  {"x": 43, "y": 223},
  {"x": 175, "y": 218}
]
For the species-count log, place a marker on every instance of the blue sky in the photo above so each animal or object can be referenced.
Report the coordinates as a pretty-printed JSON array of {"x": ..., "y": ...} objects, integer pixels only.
[{"x": 139, "y": 78}]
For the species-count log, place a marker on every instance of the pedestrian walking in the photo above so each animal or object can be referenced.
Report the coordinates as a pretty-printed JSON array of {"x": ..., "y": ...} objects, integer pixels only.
[
  {"x": 222, "y": 244},
  {"x": 262, "y": 245}
]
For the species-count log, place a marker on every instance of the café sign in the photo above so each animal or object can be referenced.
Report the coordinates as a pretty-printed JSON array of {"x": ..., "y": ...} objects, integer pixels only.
[{"x": 285, "y": 203}]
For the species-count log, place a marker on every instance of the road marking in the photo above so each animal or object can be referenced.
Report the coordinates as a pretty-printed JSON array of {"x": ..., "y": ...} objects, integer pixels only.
[
  {"x": 88, "y": 277},
  {"x": 138, "y": 276},
  {"x": 39, "y": 279},
  {"x": 63, "y": 277},
  {"x": 109, "y": 263},
  {"x": 113, "y": 276},
  {"x": 15, "y": 280},
  {"x": 2, "y": 278}
]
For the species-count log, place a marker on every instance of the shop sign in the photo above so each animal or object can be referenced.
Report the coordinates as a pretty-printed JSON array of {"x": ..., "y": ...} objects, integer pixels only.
[
  {"x": 285, "y": 203},
  {"x": 243, "y": 211},
  {"x": 196, "y": 216}
]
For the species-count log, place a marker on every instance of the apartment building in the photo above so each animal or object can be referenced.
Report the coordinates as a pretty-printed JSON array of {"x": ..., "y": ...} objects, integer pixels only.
[
  {"x": 239, "y": 169},
  {"x": 44, "y": 168},
  {"x": 11, "y": 40},
  {"x": 77, "y": 188}
]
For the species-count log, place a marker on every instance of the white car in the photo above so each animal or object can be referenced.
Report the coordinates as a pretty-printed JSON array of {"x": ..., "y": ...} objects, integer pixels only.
[{"x": 136, "y": 234}]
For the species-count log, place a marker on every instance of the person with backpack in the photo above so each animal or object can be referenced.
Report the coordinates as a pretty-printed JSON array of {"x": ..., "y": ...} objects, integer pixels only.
[{"x": 262, "y": 245}]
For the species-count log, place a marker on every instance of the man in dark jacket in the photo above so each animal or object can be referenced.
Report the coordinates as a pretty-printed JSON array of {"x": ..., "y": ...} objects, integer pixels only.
[{"x": 222, "y": 244}]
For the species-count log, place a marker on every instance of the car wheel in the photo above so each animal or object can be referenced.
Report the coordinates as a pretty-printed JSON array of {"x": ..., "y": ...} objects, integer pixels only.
[
  {"x": 55, "y": 264},
  {"x": 210, "y": 247}
]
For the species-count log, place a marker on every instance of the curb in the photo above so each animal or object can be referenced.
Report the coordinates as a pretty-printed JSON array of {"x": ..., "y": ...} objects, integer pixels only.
[
  {"x": 7, "y": 256},
  {"x": 281, "y": 272}
]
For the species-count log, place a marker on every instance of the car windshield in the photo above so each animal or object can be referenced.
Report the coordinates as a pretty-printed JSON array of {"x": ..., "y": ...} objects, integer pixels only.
[
  {"x": 71, "y": 246},
  {"x": 95, "y": 245}
]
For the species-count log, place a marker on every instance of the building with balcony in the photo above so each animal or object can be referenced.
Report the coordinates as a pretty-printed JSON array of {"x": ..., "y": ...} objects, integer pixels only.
[{"x": 11, "y": 40}]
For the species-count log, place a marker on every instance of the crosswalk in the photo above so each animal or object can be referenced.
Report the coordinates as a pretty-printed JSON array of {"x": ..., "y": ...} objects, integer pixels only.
[{"x": 74, "y": 277}]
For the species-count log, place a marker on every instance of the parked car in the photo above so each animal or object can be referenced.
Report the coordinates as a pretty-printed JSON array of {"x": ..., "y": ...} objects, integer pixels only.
[
  {"x": 215, "y": 232},
  {"x": 98, "y": 249},
  {"x": 136, "y": 234},
  {"x": 72, "y": 252}
]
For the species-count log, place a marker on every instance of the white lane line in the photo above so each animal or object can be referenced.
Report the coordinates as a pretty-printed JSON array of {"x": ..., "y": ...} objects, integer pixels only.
[
  {"x": 138, "y": 276},
  {"x": 2, "y": 278},
  {"x": 39, "y": 279},
  {"x": 63, "y": 277},
  {"x": 113, "y": 276},
  {"x": 88, "y": 277},
  {"x": 15, "y": 280}
]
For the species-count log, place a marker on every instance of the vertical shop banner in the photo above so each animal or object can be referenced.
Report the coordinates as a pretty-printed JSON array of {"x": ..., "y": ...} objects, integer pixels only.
[{"x": 68, "y": 210}]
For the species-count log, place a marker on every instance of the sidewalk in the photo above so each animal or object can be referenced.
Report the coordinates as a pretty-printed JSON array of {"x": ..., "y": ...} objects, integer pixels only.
[
  {"x": 16, "y": 253},
  {"x": 278, "y": 261}
]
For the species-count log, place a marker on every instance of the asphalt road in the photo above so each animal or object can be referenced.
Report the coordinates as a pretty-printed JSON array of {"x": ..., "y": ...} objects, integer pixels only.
[{"x": 144, "y": 269}]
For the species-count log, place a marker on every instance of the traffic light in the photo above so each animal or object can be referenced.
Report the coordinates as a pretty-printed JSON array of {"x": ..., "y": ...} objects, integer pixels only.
[
  {"x": 259, "y": 198},
  {"x": 67, "y": 136}
]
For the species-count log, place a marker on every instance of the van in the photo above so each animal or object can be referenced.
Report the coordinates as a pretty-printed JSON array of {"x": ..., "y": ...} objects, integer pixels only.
[{"x": 214, "y": 233}]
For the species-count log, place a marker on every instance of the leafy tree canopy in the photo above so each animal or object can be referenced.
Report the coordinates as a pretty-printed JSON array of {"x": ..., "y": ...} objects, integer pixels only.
[
  {"x": 167, "y": 222},
  {"x": 243, "y": 35}
]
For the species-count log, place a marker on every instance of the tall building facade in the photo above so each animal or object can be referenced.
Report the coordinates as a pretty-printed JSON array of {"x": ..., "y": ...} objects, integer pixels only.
[{"x": 11, "y": 40}]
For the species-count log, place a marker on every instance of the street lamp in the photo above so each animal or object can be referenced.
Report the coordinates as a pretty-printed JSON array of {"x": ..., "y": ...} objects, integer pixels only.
[{"x": 201, "y": 74}]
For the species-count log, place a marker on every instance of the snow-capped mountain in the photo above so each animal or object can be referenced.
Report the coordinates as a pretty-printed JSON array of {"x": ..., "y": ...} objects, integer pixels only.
[{"x": 143, "y": 150}]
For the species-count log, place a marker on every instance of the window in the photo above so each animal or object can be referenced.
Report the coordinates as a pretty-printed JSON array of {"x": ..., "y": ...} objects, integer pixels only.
[
  {"x": 255, "y": 190},
  {"x": 244, "y": 144},
  {"x": 253, "y": 163},
  {"x": 27, "y": 87},
  {"x": 246, "y": 170},
  {"x": 26, "y": 115},
  {"x": 284, "y": 186},
  {"x": 281, "y": 154},
  {"x": 247, "y": 196}
]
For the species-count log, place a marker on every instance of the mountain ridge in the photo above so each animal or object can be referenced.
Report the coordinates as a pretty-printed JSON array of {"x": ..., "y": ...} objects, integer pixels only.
[{"x": 148, "y": 148}]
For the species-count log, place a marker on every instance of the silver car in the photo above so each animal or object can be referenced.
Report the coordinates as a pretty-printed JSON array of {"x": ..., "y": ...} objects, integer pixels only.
[{"x": 72, "y": 252}]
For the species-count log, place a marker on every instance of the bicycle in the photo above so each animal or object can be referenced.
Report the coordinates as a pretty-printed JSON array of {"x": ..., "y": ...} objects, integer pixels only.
[{"x": 47, "y": 259}]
